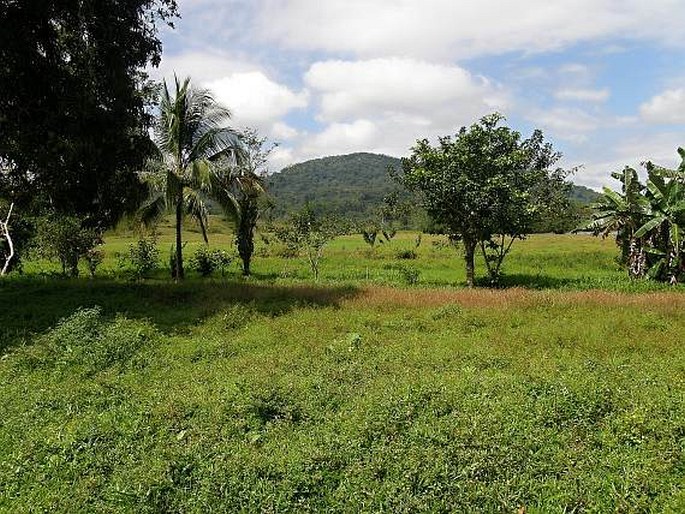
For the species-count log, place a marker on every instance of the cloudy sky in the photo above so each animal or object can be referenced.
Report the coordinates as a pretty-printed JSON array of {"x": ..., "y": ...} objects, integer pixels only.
[{"x": 604, "y": 79}]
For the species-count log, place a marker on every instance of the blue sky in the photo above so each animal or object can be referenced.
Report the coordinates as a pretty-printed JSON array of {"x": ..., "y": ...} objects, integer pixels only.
[{"x": 604, "y": 79}]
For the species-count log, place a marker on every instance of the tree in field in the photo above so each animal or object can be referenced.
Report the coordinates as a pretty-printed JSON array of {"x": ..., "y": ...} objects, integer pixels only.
[
  {"x": 249, "y": 192},
  {"x": 73, "y": 97},
  {"x": 486, "y": 186},
  {"x": 306, "y": 232},
  {"x": 195, "y": 144}
]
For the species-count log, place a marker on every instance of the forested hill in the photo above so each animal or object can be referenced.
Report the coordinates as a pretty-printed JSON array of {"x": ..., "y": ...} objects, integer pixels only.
[
  {"x": 583, "y": 195},
  {"x": 351, "y": 185}
]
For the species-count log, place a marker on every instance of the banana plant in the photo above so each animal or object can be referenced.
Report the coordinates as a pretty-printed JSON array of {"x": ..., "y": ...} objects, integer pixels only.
[
  {"x": 623, "y": 213},
  {"x": 664, "y": 224}
]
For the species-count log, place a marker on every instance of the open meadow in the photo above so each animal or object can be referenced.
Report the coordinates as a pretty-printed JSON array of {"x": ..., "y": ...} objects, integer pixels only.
[{"x": 385, "y": 387}]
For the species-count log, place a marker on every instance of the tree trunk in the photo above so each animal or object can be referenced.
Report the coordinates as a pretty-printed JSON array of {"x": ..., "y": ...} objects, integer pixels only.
[
  {"x": 245, "y": 236},
  {"x": 178, "y": 272},
  {"x": 469, "y": 257}
]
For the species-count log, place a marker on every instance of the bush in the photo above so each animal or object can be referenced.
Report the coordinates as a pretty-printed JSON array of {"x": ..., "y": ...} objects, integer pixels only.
[
  {"x": 94, "y": 258},
  {"x": 409, "y": 274},
  {"x": 406, "y": 254},
  {"x": 206, "y": 261},
  {"x": 144, "y": 256},
  {"x": 66, "y": 239}
]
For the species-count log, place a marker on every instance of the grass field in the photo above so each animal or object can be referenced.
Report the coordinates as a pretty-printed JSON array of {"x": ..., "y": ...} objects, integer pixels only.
[{"x": 357, "y": 394}]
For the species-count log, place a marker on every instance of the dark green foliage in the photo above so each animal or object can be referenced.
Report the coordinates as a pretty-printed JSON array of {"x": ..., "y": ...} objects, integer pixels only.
[
  {"x": 144, "y": 256},
  {"x": 93, "y": 257},
  {"x": 87, "y": 340},
  {"x": 354, "y": 186},
  {"x": 351, "y": 186},
  {"x": 73, "y": 93},
  {"x": 583, "y": 195},
  {"x": 486, "y": 186},
  {"x": 206, "y": 261},
  {"x": 406, "y": 254},
  {"x": 65, "y": 238}
]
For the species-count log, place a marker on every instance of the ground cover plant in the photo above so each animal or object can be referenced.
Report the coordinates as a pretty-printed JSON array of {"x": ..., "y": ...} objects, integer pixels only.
[{"x": 248, "y": 397}]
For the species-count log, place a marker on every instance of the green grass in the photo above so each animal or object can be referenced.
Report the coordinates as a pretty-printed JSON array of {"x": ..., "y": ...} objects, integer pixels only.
[
  {"x": 353, "y": 395},
  {"x": 542, "y": 261}
]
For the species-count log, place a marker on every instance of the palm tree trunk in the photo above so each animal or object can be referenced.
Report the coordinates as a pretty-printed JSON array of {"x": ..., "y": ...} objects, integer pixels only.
[{"x": 178, "y": 272}]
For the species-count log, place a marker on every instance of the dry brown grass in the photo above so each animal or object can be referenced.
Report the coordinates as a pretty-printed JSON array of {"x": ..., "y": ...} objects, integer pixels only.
[{"x": 515, "y": 297}]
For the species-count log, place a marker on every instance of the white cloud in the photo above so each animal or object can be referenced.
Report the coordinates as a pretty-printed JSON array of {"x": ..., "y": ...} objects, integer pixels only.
[
  {"x": 667, "y": 107},
  {"x": 565, "y": 123},
  {"x": 448, "y": 28},
  {"x": 281, "y": 157},
  {"x": 385, "y": 105},
  {"x": 632, "y": 151},
  {"x": 340, "y": 138},
  {"x": 202, "y": 66},
  {"x": 353, "y": 89},
  {"x": 583, "y": 95},
  {"x": 255, "y": 99},
  {"x": 281, "y": 131}
]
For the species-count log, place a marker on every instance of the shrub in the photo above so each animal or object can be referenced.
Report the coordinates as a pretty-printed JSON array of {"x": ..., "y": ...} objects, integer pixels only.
[
  {"x": 94, "y": 258},
  {"x": 406, "y": 254},
  {"x": 66, "y": 239},
  {"x": 409, "y": 274},
  {"x": 144, "y": 256},
  {"x": 206, "y": 261}
]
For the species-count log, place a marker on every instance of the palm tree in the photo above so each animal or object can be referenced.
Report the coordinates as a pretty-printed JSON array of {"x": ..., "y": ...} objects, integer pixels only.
[
  {"x": 249, "y": 190},
  {"x": 197, "y": 150}
]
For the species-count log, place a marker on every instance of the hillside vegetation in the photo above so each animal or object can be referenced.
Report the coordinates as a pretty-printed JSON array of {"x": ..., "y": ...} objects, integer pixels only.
[{"x": 352, "y": 186}]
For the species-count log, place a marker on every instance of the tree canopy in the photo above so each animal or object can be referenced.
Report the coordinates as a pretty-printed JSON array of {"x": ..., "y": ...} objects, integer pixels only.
[
  {"x": 73, "y": 93},
  {"x": 486, "y": 186}
]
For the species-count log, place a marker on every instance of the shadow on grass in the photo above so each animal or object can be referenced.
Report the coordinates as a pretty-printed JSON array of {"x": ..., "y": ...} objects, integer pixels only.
[{"x": 31, "y": 305}]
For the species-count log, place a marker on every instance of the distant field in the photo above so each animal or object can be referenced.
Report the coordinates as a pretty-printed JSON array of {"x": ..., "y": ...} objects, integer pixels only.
[
  {"x": 357, "y": 394},
  {"x": 543, "y": 261}
]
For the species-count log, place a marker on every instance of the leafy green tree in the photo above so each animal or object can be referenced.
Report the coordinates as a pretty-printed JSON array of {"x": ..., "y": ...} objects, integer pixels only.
[
  {"x": 66, "y": 238},
  {"x": 197, "y": 153},
  {"x": 305, "y": 232},
  {"x": 486, "y": 186},
  {"x": 73, "y": 96}
]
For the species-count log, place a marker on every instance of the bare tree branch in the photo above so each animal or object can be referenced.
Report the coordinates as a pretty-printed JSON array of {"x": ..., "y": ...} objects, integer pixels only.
[{"x": 4, "y": 227}]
